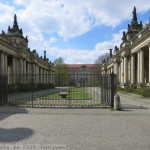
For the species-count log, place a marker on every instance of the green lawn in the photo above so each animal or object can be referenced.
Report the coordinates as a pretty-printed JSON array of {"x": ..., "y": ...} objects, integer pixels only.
[{"x": 73, "y": 93}]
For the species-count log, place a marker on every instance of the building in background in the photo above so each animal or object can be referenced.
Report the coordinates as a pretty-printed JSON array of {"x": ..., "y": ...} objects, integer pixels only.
[
  {"x": 81, "y": 68},
  {"x": 131, "y": 62},
  {"x": 81, "y": 74}
]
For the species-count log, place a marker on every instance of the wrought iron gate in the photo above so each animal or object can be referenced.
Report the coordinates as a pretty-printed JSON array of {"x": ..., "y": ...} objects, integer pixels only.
[
  {"x": 3, "y": 90},
  {"x": 59, "y": 90}
]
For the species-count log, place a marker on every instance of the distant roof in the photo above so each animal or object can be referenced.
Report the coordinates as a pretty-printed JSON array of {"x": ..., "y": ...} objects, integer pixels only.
[{"x": 76, "y": 66}]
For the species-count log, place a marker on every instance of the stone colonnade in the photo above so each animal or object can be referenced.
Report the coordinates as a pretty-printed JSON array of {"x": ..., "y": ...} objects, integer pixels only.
[
  {"x": 21, "y": 70},
  {"x": 131, "y": 69}
]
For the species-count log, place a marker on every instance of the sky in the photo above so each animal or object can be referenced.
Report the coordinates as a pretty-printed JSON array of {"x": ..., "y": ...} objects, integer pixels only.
[{"x": 77, "y": 30}]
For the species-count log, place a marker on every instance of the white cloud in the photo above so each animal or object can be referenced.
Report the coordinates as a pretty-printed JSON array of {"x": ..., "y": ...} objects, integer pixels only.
[
  {"x": 22, "y": 2},
  {"x": 6, "y": 15},
  {"x": 69, "y": 19},
  {"x": 52, "y": 40},
  {"x": 73, "y": 18},
  {"x": 85, "y": 56}
]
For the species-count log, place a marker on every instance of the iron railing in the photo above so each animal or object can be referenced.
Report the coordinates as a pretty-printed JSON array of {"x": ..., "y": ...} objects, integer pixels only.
[{"x": 65, "y": 90}]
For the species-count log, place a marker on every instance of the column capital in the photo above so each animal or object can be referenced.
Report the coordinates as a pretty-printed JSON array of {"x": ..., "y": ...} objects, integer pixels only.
[
  {"x": 139, "y": 50},
  {"x": 132, "y": 55},
  {"x": 1, "y": 52}
]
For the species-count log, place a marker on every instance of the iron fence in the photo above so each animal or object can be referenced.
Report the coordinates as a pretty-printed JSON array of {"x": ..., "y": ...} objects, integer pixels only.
[{"x": 64, "y": 90}]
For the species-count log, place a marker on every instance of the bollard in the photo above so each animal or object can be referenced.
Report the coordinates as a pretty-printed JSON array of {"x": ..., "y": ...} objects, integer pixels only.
[{"x": 117, "y": 104}]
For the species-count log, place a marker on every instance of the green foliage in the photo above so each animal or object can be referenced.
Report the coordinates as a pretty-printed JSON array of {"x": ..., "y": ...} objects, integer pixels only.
[
  {"x": 61, "y": 71},
  {"x": 144, "y": 91},
  {"x": 59, "y": 60},
  {"x": 74, "y": 93}
]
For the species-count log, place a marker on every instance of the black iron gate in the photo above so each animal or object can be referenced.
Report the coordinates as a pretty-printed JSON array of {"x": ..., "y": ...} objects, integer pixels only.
[
  {"x": 108, "y": 88},
  {"x": 63, "y": 90},
  {"x": 3, "y": 89}
]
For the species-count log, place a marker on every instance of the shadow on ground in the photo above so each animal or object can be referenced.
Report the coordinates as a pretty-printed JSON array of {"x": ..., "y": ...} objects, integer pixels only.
[
  {"x": 7, "y": 111},
  {"x": 13, "y": 134}
]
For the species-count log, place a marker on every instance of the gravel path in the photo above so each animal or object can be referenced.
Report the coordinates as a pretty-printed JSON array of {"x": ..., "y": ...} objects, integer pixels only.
[{"x": 77, "y": 129}]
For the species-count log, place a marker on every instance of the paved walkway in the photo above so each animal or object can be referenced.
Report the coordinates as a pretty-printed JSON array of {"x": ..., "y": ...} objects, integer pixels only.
[{"x": 77, "y": 129}]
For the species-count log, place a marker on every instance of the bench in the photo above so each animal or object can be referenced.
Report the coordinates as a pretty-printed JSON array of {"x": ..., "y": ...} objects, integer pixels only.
[{"x": 63, "y": 94}]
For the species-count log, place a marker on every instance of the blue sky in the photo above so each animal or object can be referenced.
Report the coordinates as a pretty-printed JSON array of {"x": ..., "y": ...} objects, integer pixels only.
[{"x": 79, "y": 31}]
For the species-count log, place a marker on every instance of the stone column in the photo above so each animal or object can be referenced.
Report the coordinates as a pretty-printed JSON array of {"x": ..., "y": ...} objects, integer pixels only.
[
  {"x": 14, "y": 69},
  {"x": 2, "y": 64},
  {"x": 116, "y": 71},
  {"x": 132, "y": 69},
  {"x": 119, "y": 72},
  {"x": 24, "y": 67},
  {"x": 21, "y": 66},
  {"x": 149, "y": 64},
  {"x": 21, "y": 70},
  {"x": 41, "y": 72},
  {"x": 125, "y": 70},
  {"x": 122, "y": 70},
  {"x": 37, "y": 73},
  {"x": 141, "y": 66},
  {"x": 44, "y": 76},
  {"x": 138, "y": 68},
  {"x": 5, "y": 64}
]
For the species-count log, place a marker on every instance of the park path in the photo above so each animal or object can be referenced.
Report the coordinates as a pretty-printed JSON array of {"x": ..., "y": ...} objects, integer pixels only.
[{"x": 78, "y": 129}]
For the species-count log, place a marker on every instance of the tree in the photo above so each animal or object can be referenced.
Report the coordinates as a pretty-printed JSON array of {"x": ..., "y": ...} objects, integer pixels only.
[
  {"x": 61, "y": 71},
  {"x": 101, "y": 58},
  {"x": 98, "y": 62}
]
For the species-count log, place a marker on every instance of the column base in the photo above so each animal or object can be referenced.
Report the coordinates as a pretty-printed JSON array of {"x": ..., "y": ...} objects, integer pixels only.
[
  {"x": 139, "y": 85},
  {"x": 122, "y": 85},
  {"x": 148, "y": 84}
]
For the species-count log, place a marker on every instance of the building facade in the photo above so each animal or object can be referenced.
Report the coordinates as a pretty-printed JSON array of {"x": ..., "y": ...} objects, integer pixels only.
[
  {"x": 81, "y": 68},
  {"x": 82, "y": 74},
  {"x": 131, "y": 62},
  {"x": 18, "y": 61}
]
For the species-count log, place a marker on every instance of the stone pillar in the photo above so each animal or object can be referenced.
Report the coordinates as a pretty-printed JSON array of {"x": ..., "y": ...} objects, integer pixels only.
[
  {"x": 122, "y": 70},
  {"x": 119, "y": 72},
  {"x": 24, "y": 71},
  {"x": 2, "y": 64},
  {"x": 37, "y": 73},
  {"x": 125, "y": 70},
  {"x": 132, "y": 69},
  {"x": 5, "y": 64},
  {"x": 21, "y": 70},
  {"x": 24, "y": 67},
  {"x": 14, "y": 69},
  {"x": 141, "y": 66},
  {"x": 138, "y": 68},
  {"x": 21, "y": 66},
  {"x": 14, "y": 65},
  {"x": 41, "y": 74},
  {"x": 149, "y": 64},
  {"x": 44, "y": 76},
  {"x": 116, "y": 71}
]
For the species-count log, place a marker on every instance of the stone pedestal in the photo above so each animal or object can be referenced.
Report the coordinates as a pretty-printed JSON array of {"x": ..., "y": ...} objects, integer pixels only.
[{"x": 117, "y": 103}]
